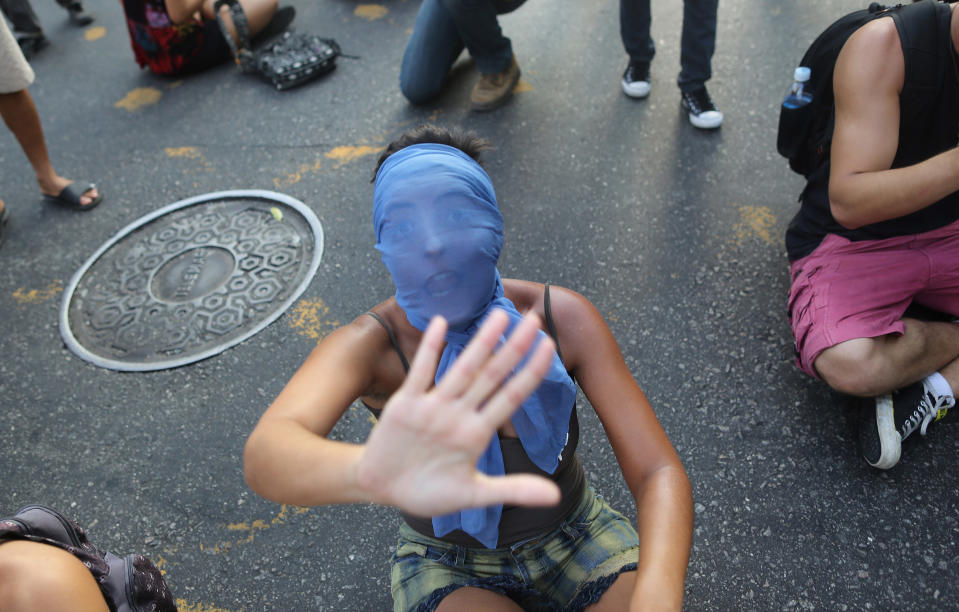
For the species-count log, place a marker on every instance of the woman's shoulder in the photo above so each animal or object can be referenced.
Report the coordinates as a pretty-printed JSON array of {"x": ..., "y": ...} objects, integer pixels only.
[{"x": 532, "y": 296}]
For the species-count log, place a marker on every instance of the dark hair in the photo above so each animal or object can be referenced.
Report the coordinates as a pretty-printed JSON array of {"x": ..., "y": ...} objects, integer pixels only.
[{"x": 466, "y": 141}]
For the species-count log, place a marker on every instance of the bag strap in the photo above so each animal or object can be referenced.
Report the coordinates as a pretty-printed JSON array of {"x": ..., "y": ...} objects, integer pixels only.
[{"x": 241, "y": 53}]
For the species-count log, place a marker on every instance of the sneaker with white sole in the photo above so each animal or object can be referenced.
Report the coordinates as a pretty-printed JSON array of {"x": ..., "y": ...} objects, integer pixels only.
[
  {"x": 702, "y": 112},
  {"x": 887, "y": 420},
  {"x": 635, "y": 81}
]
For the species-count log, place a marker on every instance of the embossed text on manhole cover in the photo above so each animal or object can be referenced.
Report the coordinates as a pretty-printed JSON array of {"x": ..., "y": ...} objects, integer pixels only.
[{"x": 191, "y": 279}]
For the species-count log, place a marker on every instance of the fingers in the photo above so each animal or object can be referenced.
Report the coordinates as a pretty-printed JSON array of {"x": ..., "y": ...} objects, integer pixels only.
[
  {"x": 423, "y": 369},
  {"x": 507, "y": 357},
  {"x": 516, "y": 490},
  {"x": 511, "y": 395},
  {"x": 463, "y": 372}
]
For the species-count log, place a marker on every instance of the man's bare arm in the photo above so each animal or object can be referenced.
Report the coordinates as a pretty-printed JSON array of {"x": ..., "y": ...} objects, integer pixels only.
[{"x": 869, "y": 76}]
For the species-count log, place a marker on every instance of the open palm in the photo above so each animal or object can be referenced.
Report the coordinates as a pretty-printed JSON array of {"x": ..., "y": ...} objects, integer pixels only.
[{"x": 421, "y": 456}]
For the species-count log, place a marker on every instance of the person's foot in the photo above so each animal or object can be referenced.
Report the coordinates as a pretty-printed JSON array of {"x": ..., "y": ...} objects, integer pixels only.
[
  {"x": 702, "y": 112},
  {"x": 278, "y": 24},
  {"x": 54, "y": 187},
  {"x": 492, "y": 90},
  {"x": 78, "y": 16},
  {"x": 635, "y": 81},
  {"x": 887, "y": 420},
  {"x": 30, "y": 44}
]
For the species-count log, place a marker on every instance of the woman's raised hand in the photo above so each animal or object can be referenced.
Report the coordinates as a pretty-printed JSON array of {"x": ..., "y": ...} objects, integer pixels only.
[{"x": 421, "y": 455}]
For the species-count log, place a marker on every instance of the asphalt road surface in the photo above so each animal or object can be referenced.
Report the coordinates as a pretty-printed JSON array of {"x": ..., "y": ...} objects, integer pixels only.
[{"x": 675, "y": 234}]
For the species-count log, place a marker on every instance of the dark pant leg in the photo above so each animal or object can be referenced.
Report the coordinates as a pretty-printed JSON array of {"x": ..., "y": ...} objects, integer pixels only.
[
  {"x": 698, "y": 43},
  {"x": 478, "y": 27},
  {"x": 634, "y": 21},
  {"x": 430, "y": 52},
  {"x": 21, "y": 15},
  {"x": 442, "y": 29}
]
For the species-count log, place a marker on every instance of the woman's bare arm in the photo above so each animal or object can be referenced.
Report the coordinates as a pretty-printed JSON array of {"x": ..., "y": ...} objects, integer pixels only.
[
  {"x": 652, "y": 469},
  {"x": 421, "y": 456}
]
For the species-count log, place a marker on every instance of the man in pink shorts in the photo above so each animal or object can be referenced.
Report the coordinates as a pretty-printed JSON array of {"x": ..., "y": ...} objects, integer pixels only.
[{"x": 878, "y": 230}]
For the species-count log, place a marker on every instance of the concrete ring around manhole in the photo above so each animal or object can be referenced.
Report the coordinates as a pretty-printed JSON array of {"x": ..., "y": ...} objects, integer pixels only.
[{"x": 191, "y": 279}]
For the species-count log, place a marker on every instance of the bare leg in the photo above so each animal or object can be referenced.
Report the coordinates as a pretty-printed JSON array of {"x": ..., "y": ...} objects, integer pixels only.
[
  {"x": 36, "y": 576},
  {"x": 258, "y": 14},
  {"x": 868, "y": 367},
  {"x": 20, "y": 115},
  {"x": 472, "y": 598},
  {"x": 617, "y": 596}
]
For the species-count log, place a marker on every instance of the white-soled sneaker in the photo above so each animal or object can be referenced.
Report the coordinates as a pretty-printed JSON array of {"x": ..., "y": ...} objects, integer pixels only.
[
  {"x": 636, "y": 80},
  {"x": 887, "y": 420},
  {"x": 702, "y": 112}
]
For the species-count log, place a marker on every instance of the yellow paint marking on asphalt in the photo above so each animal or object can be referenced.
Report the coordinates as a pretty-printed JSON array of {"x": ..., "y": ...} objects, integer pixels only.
[
  {"x": 522, "y": 85},
  {"x": 95, "y": 32},
  {"x": 190, "y": 153},
  {"x": 340, "y": 155},
  {"x": 253, "y": 527},
  {"x": 138, "y": 98},
  {"x": 33, "y": 296},
  {"x": 371, "y": 12},
  {"x": 755, "y": 221},
  {"x": 345, "y": 154},
  {"x": 310, "y": 318},
  {"x": 183, "y": 606},
  {"x": 160, "y": 561},
  {"x": 297, "y": 175}
]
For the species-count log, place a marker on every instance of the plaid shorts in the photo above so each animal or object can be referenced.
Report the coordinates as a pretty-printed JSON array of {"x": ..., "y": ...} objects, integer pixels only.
[{"x": 568, "y": 568}]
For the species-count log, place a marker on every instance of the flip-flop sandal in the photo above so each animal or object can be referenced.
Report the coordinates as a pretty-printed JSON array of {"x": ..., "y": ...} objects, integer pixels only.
[{"x": 70, "y": 197}]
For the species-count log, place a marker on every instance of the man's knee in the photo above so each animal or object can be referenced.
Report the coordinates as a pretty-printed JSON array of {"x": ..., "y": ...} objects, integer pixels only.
[
  {"x": 852, "y": 367},
  {"x": 417, "y": 87}
]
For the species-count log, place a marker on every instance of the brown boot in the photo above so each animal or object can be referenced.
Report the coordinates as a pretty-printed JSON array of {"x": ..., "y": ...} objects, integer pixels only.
[{"x": 492, "y": 90}]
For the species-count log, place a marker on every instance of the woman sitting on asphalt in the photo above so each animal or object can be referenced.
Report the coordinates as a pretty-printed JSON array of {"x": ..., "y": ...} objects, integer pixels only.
[
  {"x": 474, "y": 539},
  {"x": 174, "y": 37}
]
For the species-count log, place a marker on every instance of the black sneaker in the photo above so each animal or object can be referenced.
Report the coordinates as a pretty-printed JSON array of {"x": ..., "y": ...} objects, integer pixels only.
[
  {"x": 887, "y": 420},
  {"x": 702, "y": 112},
  {"x": 635, "y": 81},
  {"x": 78, "y": 16},
  {"x": 30, "y": 44}
]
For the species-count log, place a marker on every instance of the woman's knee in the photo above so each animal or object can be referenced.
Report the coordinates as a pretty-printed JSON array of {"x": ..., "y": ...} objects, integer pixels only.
[{"x": 36, "y": 576}]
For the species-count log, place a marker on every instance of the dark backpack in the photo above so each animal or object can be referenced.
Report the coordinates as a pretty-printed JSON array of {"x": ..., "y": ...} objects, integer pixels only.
[
  {"x": 131, "y": 583},
  {"x": 805, "y": 133},
  {"x": 294, "y": 59}
]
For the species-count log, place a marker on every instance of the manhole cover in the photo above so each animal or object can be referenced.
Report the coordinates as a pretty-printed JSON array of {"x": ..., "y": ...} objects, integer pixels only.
[{"x": 191, "y": 280}]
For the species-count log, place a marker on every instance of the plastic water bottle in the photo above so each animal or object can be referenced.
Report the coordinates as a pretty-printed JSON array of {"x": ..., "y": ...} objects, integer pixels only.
[
  {"x": 798, "y": 96},
  {"x": 795, "y": 115}
]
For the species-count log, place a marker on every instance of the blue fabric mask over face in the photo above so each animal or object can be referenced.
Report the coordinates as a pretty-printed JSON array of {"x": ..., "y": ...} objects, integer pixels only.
[{"x": 440, "y": 232}]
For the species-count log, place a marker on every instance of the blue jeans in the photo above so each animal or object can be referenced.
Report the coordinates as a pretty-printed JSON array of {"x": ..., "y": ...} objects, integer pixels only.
[
  {"x": 442, "y": 29},
  {"x": 697, "y": 44}
]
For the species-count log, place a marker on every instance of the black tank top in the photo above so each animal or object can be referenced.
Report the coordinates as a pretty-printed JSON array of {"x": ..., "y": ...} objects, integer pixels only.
[
  {"x": 928, "y": 124},
  {"x": 517, "y": 523}
]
